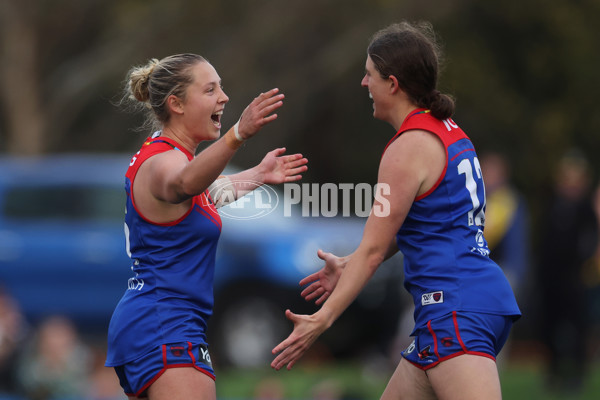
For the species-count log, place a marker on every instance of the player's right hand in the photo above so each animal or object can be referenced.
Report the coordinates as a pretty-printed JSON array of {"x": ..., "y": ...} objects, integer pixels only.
[{"x": 259, "y": 113}]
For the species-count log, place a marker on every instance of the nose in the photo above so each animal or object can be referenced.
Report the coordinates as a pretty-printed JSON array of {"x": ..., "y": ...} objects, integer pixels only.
[
  {"x": 364, "y": 82},
  {"x": 224, "y": 98}
]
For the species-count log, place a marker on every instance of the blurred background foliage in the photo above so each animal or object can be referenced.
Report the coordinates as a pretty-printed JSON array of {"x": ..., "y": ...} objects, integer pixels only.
[{"x": 523, "y": 73}]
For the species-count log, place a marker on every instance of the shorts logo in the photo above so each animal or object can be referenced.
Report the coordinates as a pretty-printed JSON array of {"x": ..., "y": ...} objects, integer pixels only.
[
  {"x": 432, "y": 298},
  {"x": 177, "y": 351},
  {"x": 410, "y": 348},
  {"x": 425, "y": 353},
  {"x": 205, "y": 356}
]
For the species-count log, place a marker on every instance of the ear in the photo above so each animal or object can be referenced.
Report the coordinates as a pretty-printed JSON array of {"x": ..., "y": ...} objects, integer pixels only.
[
  {"x": 394, "y": 87},
  {"x": 174, "y": 104}
]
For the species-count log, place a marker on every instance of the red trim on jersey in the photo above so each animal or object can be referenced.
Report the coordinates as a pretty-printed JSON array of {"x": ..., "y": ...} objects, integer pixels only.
[
  {"x": 160, "y": 145},
  {"x": 464, "y": 151},
  {"x": 424, "y": 121}
]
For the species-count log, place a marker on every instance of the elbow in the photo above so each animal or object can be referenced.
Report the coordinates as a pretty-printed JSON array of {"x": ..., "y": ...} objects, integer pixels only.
[{"x": 373, "y": 261}]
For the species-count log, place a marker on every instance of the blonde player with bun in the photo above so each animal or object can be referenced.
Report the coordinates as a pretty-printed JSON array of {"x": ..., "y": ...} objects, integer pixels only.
[{"x": 157, "y": 334}]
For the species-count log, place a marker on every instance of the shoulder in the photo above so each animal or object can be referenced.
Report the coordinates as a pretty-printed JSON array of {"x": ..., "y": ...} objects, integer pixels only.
[
  {"x": 416, "y": 156},
  {"x": 413, "y": 145}
]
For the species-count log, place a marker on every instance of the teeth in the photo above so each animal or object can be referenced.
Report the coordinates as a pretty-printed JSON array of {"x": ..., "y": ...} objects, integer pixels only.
[
  {"x": 219, "y": 112},
  {"x": 370, "y": 95}
]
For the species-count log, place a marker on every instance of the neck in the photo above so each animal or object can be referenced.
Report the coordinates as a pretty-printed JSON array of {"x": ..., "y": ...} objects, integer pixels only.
[
  {"x": 181, "y": 138},
  {"x": 401, "y": 113}
]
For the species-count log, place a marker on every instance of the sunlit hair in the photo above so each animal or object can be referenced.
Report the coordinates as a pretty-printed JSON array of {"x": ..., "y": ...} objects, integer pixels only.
[
  {"x": 150, "y": 85},
  {"x": 409, "y": 52}
]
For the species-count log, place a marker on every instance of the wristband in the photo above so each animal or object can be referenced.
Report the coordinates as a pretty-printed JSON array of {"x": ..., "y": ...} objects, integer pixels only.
[{"x": 237, "y": 133}]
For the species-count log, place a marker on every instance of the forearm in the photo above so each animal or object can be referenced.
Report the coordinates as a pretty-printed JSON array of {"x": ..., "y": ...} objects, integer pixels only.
[
  {"x": 359, "y": 268},
  {"x": 228, "y": 188},
  {"x": 392, "y": 249},
  {"x": 206, "y": 167},
  {"x": 246, "y": 181}
]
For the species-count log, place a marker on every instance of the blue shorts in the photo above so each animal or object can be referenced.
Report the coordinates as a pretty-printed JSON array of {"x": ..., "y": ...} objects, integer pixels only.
[
  {"x": 455, "y": 334},
  {"x": 137, "y": 376}
]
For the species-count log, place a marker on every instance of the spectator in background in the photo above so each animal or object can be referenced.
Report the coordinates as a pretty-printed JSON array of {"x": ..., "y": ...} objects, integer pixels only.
[
  {"x": 568, "y": 240},
  {"x": 56, "y": 365},
  {"x": 13, "y": 331},
  {"x": 506, "y": 221},
  {"x": 591, "y": 278}
]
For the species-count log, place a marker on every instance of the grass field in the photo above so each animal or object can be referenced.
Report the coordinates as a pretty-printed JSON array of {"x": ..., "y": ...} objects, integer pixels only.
[{"x": 348, "y": 381}]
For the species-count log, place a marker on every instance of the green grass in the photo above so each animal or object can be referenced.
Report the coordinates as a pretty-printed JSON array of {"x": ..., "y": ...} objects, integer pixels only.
[{"x": 518, "y": 382}]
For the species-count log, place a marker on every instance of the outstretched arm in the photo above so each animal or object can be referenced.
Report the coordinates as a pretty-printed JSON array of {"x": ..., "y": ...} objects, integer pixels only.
[
  {"x": 275, "y": 168},
  {"x": 410, "y": 166},
  {"x": 321, "y": 283}
]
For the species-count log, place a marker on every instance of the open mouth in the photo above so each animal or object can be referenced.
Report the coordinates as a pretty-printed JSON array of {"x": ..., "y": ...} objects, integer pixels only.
[{"x": 216, "y": 119}]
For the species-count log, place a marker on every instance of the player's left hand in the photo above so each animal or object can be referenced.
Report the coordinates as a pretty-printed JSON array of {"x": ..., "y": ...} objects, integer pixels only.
[
  {"x": 307, "y": 329},
  {"x": 276, "y": 168}
]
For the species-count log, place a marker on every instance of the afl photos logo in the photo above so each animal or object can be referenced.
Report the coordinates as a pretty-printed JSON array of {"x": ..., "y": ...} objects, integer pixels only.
[{"x": 432, "y": 298}]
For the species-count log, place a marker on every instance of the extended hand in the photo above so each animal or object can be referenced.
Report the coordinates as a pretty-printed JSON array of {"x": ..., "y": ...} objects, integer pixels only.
[
  {"x": 259, "y": 113},
  {"x": 277, "y": 168},
  {"x": 307, "y": 329},
  {"x": 322, "y": 282}
]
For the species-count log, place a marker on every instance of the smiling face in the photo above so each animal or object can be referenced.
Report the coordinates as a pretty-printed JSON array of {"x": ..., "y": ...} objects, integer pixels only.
[
  {"x": 204, "y": 103},
  {"x": 379, "y": 89}
]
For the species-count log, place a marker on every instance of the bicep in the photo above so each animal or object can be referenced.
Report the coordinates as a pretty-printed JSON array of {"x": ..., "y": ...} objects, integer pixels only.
[
  {"x": 163, "y": 176},
  {"x": 407, "y": 168}
]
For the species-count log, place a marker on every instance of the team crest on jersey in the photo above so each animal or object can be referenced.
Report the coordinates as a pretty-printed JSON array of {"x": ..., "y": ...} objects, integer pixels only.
[{"x": 432, "y": 298}]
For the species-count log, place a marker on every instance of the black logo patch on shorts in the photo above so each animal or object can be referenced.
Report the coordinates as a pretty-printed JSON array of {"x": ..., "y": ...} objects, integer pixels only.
[{"x": 204, "y": 356}]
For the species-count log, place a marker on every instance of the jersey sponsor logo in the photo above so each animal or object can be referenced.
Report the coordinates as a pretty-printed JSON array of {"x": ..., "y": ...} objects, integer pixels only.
[{"x": 432, "y": 298}]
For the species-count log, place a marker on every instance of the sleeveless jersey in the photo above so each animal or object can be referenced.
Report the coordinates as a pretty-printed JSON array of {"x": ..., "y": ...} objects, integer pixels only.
[
  {"x": 446, "y": 257},
  {"x": 170, "y": 297}
]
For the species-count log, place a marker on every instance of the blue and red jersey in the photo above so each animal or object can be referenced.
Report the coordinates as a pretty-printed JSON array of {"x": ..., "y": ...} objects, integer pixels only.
[
  {"x": 170, "y": 297},
  {"x": 446, "y": 257}
]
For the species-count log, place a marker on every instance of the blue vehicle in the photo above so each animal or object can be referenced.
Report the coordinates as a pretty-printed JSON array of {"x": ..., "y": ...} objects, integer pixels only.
[{"x": 62, "y": 251}]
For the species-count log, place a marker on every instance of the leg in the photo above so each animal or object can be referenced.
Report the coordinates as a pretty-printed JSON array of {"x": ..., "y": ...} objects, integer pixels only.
[
  {"x": 408, "y": 383},
  {"x": 183, "y": 384},
  {"x": 466, "y": 377}
]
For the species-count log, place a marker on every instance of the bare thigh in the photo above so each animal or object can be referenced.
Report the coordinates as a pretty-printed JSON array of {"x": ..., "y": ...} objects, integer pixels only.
[
  {"x": 466, "y": 377},
  {"x": 408, "y": 383},
  {"x": 183, "y": 384}
]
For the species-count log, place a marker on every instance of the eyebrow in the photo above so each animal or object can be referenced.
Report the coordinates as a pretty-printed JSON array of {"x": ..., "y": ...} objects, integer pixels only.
[{"x": 214, "y": 83}]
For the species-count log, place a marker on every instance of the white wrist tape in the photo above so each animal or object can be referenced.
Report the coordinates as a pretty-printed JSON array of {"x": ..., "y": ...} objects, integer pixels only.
[
  {"x": 222, "y": 191},
  {"x": 237, "y": 133}
]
